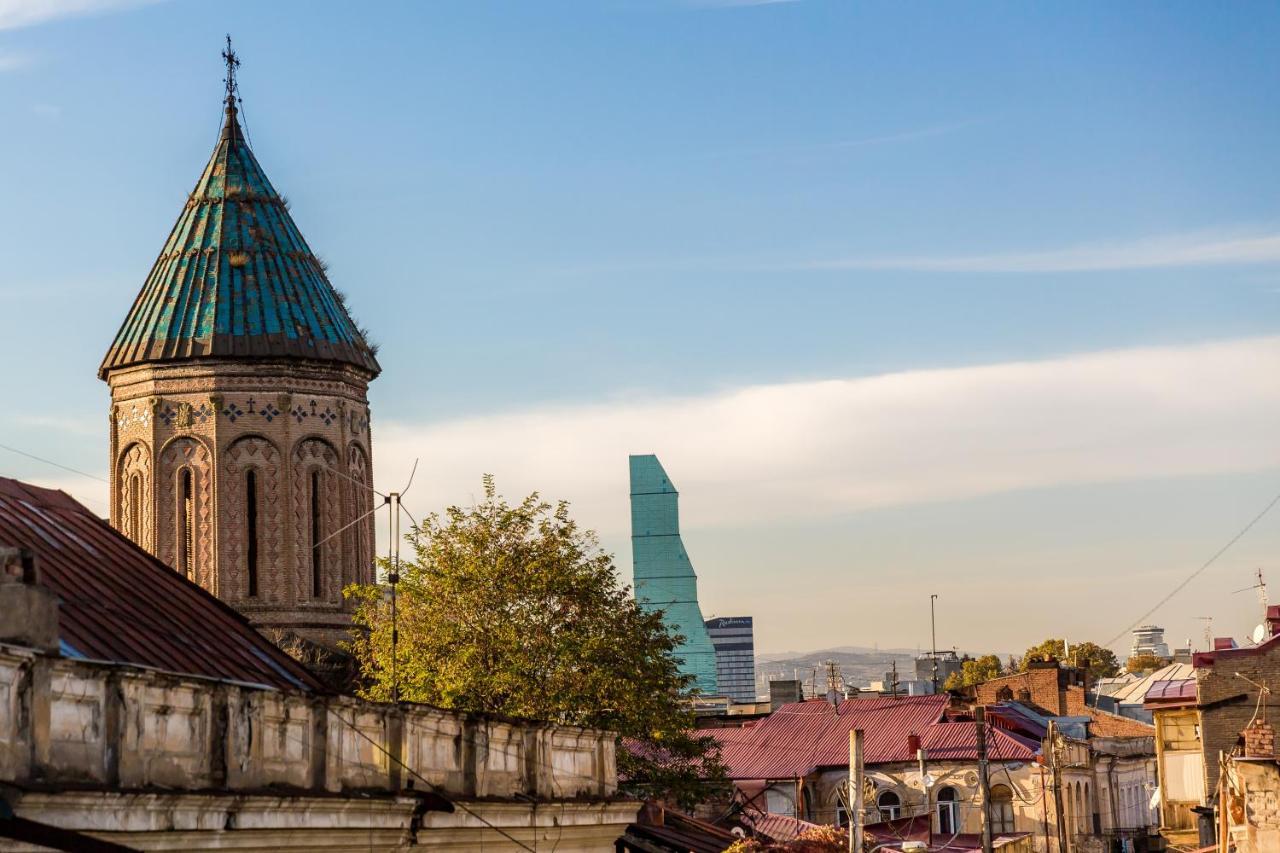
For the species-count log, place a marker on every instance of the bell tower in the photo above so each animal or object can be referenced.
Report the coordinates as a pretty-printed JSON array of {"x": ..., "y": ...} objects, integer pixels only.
[{"x": 240, "y": 440}]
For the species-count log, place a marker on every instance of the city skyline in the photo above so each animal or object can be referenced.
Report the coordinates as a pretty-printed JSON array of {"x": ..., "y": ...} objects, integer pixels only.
[{"x": 868, "y": 388}]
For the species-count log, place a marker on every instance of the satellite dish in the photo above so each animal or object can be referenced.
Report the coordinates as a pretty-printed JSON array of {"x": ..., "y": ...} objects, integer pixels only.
[{"x": 1259, "y": 634}]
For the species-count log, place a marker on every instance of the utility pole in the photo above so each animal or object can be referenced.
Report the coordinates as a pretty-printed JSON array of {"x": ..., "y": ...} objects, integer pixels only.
[
  {"x": 933, "y": 631},
  {"x": 1051, "y": 740},
  {"x": 393, "y": 578},
  {"x": 984, "y": 784},
  {"x": 855, "y": 791}
]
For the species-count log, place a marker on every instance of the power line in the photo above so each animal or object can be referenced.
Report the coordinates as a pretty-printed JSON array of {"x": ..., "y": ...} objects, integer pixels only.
[
  {"x": 1207, "y": 563},
  {"x": 54, "y": 464},
  {"x": 435, "y": 788}
]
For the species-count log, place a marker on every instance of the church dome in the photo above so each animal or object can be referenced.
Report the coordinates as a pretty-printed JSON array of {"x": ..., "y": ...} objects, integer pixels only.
[{"x": 236, "y": 279}]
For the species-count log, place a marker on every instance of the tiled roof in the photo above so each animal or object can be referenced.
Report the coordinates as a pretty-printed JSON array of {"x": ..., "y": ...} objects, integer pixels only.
[
  {"x": 118, "y": 603},
  {"x": 236, "y": 279},
  {"x": 1106, "y": 724},
  {"x": 798, "y": 738}
]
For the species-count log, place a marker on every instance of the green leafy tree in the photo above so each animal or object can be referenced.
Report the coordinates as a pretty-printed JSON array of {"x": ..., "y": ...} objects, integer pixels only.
[
  {"x": 974, "y": 671},
  {"x": 1145, "y": 662},
  {"x": 1098, "y": 661},
  {"x": 515, "y": 610}
]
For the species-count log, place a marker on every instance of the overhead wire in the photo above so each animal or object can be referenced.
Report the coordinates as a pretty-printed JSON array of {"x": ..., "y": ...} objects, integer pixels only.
[
  {"x": 54, "y": 464},
  {"x": 1203, "y": 566}
]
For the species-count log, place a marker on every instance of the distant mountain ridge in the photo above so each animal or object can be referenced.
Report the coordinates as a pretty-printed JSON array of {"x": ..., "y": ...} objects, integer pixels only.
[{"x": 859, "y": 666}]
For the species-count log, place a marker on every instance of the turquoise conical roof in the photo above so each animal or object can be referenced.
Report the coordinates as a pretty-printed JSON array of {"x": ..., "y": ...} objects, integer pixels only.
[{"x": 236, "y": 279}]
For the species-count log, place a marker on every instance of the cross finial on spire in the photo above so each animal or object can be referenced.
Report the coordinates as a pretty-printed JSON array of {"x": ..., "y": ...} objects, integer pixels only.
[{"x": 233, "y": 62}]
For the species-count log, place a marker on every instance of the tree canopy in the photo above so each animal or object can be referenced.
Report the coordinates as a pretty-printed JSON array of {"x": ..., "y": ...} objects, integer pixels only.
[
  {"x": 1098, "y": 661},
  {"x": 1145, "y": 662},
  {"x": 512, "y": 609},
  {"x": 974, "y": 671}
]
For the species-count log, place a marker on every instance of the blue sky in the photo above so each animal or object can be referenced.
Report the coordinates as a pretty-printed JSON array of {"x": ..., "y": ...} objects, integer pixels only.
[{"x": 799, "y": 249}]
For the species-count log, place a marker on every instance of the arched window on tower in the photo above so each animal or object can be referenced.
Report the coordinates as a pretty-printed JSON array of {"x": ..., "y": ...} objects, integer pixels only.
[
  {"x": 316, "y": 536},
  {"x": 135, "y": 507},
  {"x": 186, "y": 524},
  {"x": 251, "y": 530}
]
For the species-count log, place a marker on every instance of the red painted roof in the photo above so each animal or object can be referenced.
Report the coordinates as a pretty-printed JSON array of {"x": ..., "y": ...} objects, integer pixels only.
[
  {"x": 118, "y": 603},
  {"x": 1173, "y": 693},
  {"x": 801, "y": 737}
]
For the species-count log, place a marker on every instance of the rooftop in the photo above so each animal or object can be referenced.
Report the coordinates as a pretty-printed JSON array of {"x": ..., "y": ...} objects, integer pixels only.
[
  {"x": 802, "y": 737},
  {"x": 236, "y": 279},
  {"x": 119, "y": 604}
]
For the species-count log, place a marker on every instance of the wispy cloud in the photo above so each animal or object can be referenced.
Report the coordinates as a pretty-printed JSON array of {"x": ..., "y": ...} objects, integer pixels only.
[
  {"x": 817, "y": 449},
  {"x": 15, "y": 14},
  {"x": 13, "y": 61},
  {"x": 1180, "y": 250}
]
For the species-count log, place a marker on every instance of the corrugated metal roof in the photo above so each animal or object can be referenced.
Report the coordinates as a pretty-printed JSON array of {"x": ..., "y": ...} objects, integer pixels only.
[
  {"x": 118, "y": 603},
  {"x": 1176, "y": 692},
  {"x": 801, "y": 737},
  {"x": 1133, "y": 694},
  {"x": 236, "y": 279}
]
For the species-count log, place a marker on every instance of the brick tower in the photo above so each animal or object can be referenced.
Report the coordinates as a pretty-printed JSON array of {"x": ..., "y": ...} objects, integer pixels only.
[{"x": 240, "y": 451}]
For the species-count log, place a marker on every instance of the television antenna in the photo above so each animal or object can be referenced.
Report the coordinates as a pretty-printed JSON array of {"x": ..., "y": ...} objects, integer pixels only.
[
  {"x": 1208, "y": 632},
  {"x": 1261, "y": 587}
]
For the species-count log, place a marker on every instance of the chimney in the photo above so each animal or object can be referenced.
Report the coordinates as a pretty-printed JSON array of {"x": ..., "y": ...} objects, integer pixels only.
[
  {"x": 1259, "y": 740},
  {"x": 913, "y": 745},
  {"x": 28, "y": 610},
  {"x": 1273, "y": 620}
]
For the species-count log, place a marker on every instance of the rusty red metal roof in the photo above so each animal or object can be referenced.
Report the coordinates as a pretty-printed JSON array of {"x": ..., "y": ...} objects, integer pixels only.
[
  {"x": 117, "y": 603},
  {"x": 801, "y": 737}
]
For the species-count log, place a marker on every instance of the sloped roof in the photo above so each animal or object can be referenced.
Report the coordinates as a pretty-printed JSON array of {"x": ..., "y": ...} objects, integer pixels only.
[
  {"x": 236, "y": 279},
  {"x": 1133, "y": 694},
  {"x": 117, "y": 603},
  {"x": 1171, "y": 694},
  {"x": 801, "y": 737}
]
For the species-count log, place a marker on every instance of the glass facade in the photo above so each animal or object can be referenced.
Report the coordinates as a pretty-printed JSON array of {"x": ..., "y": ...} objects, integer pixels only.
[
  {"x": 734, "y": 640},
  {"x": 663, "y": 577}
]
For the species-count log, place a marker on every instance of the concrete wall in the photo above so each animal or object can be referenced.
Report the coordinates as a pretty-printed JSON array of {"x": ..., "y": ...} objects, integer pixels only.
[{"x": 75, "y": 722}]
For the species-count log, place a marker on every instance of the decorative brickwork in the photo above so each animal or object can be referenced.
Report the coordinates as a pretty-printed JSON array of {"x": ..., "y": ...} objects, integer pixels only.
[{"x": 219, "y": 421}]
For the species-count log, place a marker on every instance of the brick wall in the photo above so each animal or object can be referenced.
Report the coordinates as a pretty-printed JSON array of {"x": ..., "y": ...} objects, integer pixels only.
[{"x": 1228, "y": 701}]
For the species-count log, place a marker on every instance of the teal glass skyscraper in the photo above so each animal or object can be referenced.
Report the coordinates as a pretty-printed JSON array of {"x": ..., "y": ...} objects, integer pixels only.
[{"x": 664, "y": 578}]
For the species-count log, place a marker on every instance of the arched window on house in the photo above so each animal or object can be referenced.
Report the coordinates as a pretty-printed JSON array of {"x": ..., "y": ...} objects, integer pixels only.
[
  {"x": 1004, "y": 694},
  {"x": 1001, "y": 810},
  {"x": 889, "y": 805},
  {"x": 948, "y": 811},
  {"x": 251, "y": 530}
]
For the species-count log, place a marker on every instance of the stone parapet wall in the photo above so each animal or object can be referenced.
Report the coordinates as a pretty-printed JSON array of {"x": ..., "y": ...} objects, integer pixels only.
[{"x": 79, "y": 723}]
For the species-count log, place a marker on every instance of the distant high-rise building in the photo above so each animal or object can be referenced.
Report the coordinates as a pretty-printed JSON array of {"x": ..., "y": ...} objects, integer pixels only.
[
  {"x": 734, "y": 640},
  {"x": 664, "y": 578},
  {"x": 948, "y": 664},
  {"x": 1149, "y": 640}
]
